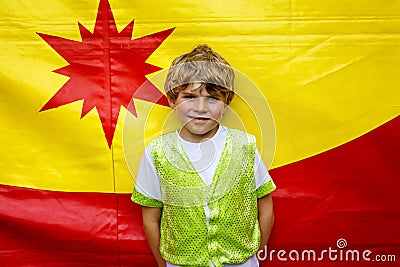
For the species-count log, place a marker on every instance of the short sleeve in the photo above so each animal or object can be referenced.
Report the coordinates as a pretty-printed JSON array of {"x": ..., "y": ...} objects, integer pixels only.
[
  {"x": 143, "y": 200},
  {"x": 264, "y": 182},
  {"x": 147, "y": 190}
]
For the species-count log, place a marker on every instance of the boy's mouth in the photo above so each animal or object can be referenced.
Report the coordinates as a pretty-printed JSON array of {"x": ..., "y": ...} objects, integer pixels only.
[{"x": 200, "y": 118}]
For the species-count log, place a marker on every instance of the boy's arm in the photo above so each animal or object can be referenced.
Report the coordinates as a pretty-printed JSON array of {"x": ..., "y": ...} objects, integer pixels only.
[
  {"x": 151, "y": 226},
  {"x": 265, "y": 218}
]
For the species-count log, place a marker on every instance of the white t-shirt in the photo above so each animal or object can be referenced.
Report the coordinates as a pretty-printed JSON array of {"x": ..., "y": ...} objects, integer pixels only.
[{"x": 204, "y": 157}]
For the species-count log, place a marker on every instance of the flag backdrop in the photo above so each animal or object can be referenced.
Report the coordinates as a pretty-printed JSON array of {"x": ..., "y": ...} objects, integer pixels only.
[{"x": 328, "y": 71}]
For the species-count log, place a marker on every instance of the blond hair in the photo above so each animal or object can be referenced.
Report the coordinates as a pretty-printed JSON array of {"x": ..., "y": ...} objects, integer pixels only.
[{"x": 203, "y": 65}]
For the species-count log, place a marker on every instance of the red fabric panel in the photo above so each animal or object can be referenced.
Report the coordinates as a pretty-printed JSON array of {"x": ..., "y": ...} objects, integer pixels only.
[
  {"x": 349, "y": 192},
  {"x": 42, "y": 228}
]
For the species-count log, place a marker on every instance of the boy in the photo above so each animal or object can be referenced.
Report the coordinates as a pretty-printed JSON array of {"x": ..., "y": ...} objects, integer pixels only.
[{"x": 204, "y": 189}]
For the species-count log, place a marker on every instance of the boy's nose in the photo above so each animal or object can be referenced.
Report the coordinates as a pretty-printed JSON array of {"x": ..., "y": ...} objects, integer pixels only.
[{"x": 201, "y": 105}]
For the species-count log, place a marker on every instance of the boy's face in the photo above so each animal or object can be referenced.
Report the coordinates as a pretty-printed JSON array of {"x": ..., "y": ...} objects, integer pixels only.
[{"x": 199, "y": 112}]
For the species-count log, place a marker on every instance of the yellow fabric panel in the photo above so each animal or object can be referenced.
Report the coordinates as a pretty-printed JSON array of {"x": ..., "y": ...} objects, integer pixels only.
[
  {"x": 53, "y": 149},
  {"x": 328, "y": 70}
]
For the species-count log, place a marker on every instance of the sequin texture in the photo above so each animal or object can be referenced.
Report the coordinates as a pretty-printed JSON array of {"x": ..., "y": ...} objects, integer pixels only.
[{"x": 232, "y": 233}]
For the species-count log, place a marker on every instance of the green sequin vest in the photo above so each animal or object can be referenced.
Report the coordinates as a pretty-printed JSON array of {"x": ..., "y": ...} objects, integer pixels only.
[{"x": 232, "y": 233}]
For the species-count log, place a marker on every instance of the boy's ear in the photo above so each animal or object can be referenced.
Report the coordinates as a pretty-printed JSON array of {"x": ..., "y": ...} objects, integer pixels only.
[{"x": 171, "y": 103}]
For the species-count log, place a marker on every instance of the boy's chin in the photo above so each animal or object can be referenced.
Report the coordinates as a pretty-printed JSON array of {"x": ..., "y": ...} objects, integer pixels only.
[{"x": 205, "y": 132}]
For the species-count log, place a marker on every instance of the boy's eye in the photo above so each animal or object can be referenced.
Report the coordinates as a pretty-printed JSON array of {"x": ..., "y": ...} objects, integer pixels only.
[
  {"x": 188, "y": 97},
  {"x": 212, "y": 99}
]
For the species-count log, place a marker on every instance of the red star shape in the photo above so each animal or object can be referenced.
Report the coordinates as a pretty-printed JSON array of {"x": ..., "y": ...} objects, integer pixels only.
[{"x": 106, "y": 69}]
